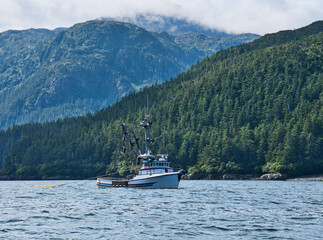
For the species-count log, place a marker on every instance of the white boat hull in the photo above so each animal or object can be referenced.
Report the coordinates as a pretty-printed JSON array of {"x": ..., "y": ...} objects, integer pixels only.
[{"x": 165, "y": 180}]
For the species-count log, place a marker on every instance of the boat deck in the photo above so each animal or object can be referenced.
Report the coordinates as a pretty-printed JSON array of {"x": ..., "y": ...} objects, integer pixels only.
[{"x": 116, "y": 182}]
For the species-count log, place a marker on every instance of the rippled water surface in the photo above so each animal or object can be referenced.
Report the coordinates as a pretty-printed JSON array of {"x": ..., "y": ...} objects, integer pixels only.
[{"x": 197, "y": 210}]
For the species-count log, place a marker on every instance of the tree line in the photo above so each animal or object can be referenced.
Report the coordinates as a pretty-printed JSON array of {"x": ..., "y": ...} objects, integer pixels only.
[{"x": 255, "y": 108}]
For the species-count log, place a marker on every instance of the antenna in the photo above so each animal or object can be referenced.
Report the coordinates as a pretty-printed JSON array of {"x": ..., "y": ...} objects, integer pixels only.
[{"x": 164, "y": 137}]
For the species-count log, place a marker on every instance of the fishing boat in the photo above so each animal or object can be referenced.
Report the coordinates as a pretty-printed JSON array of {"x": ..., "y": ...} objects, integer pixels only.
[{"x": 155, "y": 171}]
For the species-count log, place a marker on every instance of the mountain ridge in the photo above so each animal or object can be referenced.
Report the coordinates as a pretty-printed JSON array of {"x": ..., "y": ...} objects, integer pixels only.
[
  {"x": 172, "y": 25},
  {"x": 84, "y": 68}
]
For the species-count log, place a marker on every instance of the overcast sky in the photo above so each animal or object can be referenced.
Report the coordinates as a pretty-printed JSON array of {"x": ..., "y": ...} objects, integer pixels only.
[{"x": 256, "y": 16}]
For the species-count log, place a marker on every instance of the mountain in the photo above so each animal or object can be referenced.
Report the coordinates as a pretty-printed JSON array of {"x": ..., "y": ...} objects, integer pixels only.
[
  {"x": 45, "y": 75},
  {"x": 185, "y": 30},
  {"x": 208, "y": 45},
  {"x": 255, "y": 108},
  {"x": 172, "y": 25},
  {"x": 13, "y": 41}
]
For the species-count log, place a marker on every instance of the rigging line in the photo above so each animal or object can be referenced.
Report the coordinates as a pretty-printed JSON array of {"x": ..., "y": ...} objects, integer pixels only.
[
  {"x": 59, "y": 185},
  {"x": 177, "y": 162},
  {"x": 31, "y": 187},
  {"x": 147, "y": 106}
]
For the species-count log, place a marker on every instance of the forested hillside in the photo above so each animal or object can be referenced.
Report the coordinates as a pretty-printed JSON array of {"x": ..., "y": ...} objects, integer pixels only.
[
  {"x": 255, "y": 108},
  {"x": 45, "y": 75}
]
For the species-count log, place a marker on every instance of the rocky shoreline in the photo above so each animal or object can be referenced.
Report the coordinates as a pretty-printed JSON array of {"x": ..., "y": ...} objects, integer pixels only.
[
  {"x": 198, "y": 176},
  {"x": 267, "y": 176}
]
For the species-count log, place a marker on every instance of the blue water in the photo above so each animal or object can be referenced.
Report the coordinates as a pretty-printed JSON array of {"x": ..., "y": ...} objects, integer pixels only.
[{"x": 197, "y": 210}]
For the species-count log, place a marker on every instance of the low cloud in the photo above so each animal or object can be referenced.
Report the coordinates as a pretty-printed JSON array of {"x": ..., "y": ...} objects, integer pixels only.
[{"x": 237, "y": 16}]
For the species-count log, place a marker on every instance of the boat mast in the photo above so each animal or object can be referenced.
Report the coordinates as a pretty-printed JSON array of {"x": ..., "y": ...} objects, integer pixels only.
[
  {"x": 145, "y": 124},
  {"x": 147, "y": 118}
]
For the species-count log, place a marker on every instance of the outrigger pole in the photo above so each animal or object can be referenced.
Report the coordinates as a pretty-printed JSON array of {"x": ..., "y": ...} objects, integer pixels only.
[{"x": 126, "y": 136}]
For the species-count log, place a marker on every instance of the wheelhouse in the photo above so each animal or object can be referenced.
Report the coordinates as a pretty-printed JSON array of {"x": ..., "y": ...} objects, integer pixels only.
[{"x": 156, "y": 166}]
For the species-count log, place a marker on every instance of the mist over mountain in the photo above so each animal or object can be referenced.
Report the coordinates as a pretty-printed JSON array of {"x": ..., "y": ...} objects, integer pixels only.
[
  {"x": 174, "y": 25},
  {"x": 171, "y": 25}
]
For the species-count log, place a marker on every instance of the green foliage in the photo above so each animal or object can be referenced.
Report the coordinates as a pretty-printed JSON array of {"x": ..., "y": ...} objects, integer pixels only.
[
  {"x": 46, "y": 75},
  {"x": 237, "y": 111}
]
